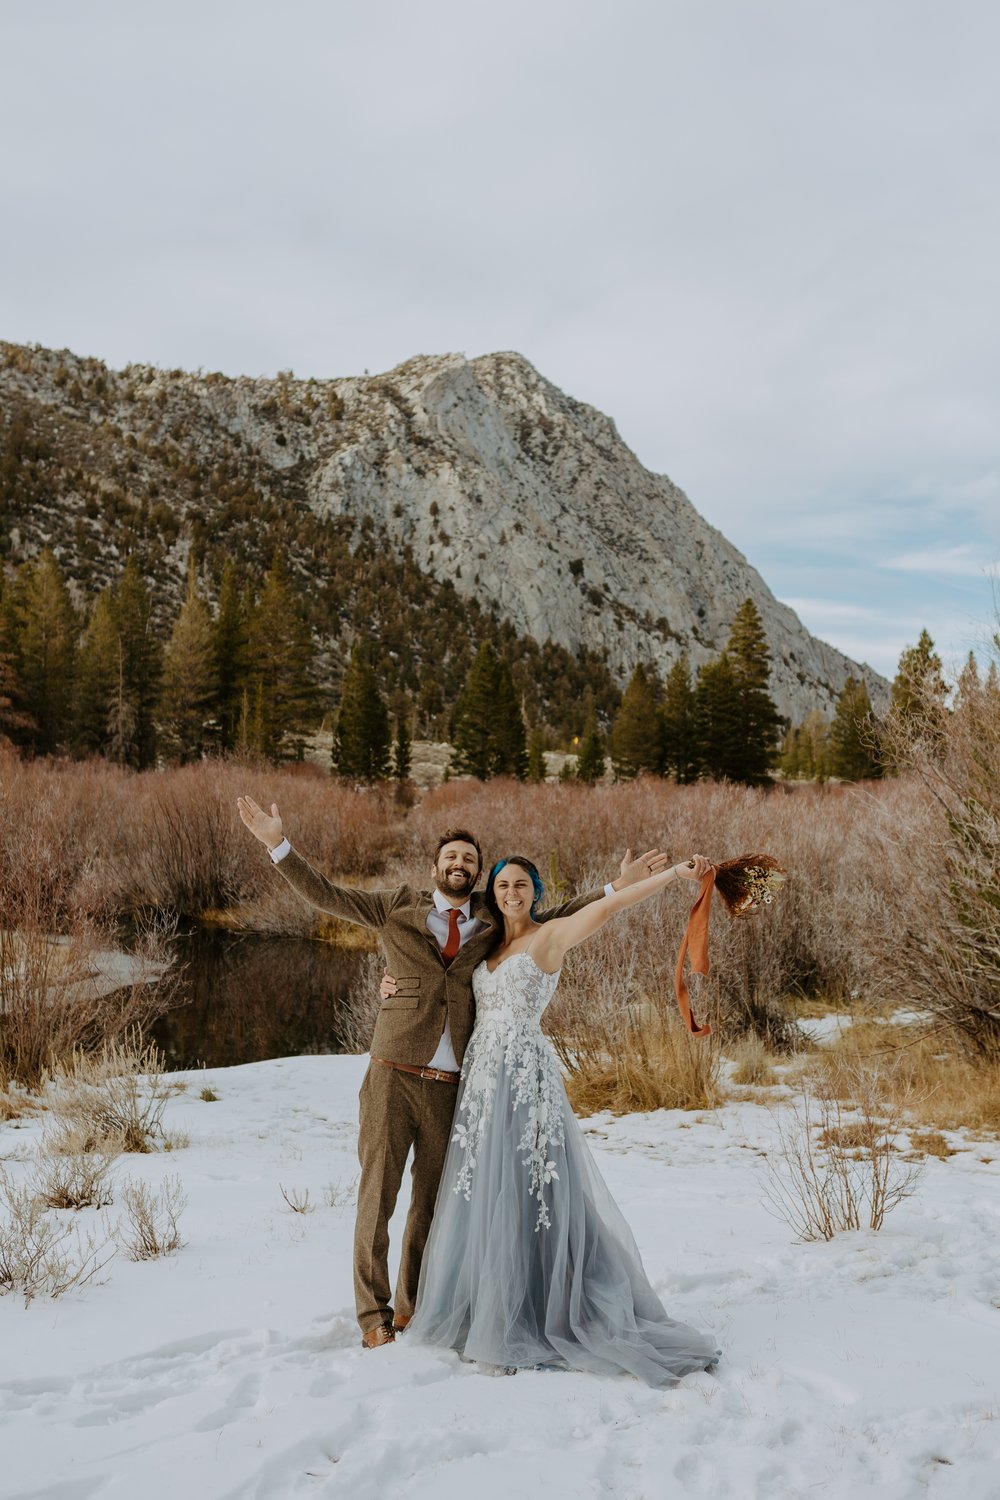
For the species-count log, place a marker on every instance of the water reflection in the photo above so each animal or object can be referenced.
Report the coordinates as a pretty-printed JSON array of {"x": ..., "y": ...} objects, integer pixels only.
[{"x": 248, "y": 998}]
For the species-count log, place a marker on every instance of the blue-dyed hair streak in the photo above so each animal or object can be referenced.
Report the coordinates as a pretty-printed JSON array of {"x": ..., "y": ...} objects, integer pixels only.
[{"x": 536, "y": 880}]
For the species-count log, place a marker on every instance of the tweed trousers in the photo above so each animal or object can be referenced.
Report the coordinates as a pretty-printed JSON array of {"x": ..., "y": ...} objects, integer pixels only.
[{"x": 397, "y": 1111}]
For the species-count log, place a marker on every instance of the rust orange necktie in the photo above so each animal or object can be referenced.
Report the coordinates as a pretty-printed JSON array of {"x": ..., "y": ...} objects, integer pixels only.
[{"x": 452, "y": 944}]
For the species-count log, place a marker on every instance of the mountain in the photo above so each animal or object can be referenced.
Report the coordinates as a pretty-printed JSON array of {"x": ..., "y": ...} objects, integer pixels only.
[{"x": 480, "y": 473}]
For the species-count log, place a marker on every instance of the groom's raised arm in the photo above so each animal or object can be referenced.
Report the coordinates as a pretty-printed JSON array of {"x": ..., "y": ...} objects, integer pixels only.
[{"x": 369, "y": 908}]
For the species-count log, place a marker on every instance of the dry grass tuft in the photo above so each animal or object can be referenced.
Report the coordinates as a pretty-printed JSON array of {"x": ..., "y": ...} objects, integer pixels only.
[
  {"x": 73, "y": 1181},
  {"x": 209, "y": 1095},
  {"x": 930, "y": 1143},
  {"x": 112, "y": 1100},
  {"x": 151, "y": 1225},
  {"x": 298, "y": 1199},
  {"x": 15, "y": 1104},
  {"x": 941, "y": 1086},
  {"x": 754, "y": 1064},
  {"x": 677, "y": 1072},
  {"x": 340, "y": 1194}
]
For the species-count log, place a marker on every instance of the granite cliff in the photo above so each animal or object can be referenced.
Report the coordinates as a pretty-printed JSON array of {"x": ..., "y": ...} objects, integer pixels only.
[{"x": 493, "y": 478}]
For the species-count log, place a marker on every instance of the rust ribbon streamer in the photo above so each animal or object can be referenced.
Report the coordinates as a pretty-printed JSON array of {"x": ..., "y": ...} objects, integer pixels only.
[{"x": 695, "y": 943}]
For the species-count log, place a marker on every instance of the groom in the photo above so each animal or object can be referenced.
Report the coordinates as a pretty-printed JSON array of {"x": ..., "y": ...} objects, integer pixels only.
[{"x": 432, "y": 941}]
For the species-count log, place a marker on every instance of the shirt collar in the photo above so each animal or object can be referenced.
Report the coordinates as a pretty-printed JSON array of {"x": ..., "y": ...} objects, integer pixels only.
[{"x": 444, "y": 906}]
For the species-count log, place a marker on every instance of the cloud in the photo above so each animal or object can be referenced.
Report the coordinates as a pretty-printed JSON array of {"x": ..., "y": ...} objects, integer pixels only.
[{"x": 963, "y": 561}]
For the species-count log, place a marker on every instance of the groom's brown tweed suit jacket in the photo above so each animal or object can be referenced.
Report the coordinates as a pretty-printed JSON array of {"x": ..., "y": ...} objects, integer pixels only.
[{"x": 410, "y": 1024}]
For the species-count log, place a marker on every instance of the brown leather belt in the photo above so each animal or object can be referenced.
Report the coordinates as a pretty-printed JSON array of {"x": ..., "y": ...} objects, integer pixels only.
[{"x": 436, "y": 1074}]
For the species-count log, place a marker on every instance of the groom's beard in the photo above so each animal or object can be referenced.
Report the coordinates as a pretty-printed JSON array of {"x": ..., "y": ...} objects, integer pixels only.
[{"x": 455, "y": 882}]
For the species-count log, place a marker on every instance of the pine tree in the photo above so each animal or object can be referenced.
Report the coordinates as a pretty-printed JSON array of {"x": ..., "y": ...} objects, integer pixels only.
[
  {"x": 536, "y": 756},
  {"x": 231, "y": 665},
  {"x": 919, "y": 689},
  {"x": 760, "y": 723},
  {"x": 402, "y": 752},
  {"x": 140, "y": 664},
  {"x": 636, "y": 742},
  {"x": 97, "y": 677},
  {"x": 362, "y": 737},
  {"x": 188, "y": 689},
  {"x": 680, "y": 741},
  {"x": 805, "y": 749},
  {"x": 489, "y": 734},
  {"x": 853, "y": 752},
  {"x": 280, "y": 656},
  {"x": 717, "y": 720},
  {"x": 15, "y": 721},
  {"x": 590, "y": 761},
  {"x": 122, "y": 727},
  {"x": 46, "y": 649}
]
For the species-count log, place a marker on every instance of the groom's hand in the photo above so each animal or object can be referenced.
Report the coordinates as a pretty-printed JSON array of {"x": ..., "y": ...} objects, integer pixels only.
[
  {"x": 650, "y": 863},
  {"x": 267, "y": 829}
]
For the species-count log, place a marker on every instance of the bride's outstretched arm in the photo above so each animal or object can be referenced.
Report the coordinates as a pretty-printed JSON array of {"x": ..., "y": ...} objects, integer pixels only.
[{"x": 562, "y": 933}]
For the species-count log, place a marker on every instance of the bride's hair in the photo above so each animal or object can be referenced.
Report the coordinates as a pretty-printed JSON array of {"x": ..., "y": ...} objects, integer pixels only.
[{"x": 528, "y": 867}]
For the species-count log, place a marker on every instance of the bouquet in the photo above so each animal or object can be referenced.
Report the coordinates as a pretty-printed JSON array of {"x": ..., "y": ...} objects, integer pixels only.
[{"x": 746, "y": 885}]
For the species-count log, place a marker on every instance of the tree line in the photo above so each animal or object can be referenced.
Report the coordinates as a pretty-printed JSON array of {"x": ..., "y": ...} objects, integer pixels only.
[
  {"x": 243, "y": 677},
  {"x": 721, "y": 724},
  {"x": 101, "y": 681}
]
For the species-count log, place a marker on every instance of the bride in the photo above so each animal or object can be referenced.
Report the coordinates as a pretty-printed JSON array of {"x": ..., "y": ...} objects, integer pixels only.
[{"x": 530, "y": 1263}]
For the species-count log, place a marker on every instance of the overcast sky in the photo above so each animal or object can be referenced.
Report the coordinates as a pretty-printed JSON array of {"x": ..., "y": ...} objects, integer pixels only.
[{"x": 760, "y": 234}]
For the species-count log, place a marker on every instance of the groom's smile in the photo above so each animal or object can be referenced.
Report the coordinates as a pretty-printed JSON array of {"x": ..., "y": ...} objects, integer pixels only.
[{"x": 457, "y": 869}]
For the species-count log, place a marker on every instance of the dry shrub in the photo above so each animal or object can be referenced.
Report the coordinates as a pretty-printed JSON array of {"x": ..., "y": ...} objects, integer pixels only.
[
  {"x": 195, "y": 855},
  {"x": 39, "y": 1257},
  {"x": 943, "y": 862},
  {"x": 753, "y": 1064},
  {"x": 835, "y": 1169},
  {"x": 110, "y": 1101},
  {"x": 356, "y": 1021},
  {"x": 76, "y": 1182},
  {"x": 298, "y": 1199},
  {"x": 60, "y": 993},
  {"x": 151, "y": 1227},
  {"x": 172, "y": 840}
]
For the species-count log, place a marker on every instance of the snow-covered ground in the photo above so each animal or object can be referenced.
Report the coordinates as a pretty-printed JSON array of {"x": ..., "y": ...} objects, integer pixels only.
[{"x": 869, "y": 1366}]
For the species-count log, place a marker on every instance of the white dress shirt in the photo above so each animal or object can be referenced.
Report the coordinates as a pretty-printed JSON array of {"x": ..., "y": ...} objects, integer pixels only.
[{"x": 437, "y": 925}]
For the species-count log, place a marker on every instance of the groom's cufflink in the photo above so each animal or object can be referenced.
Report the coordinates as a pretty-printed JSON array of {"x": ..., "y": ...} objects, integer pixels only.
[{"x": 280, "y": 850}]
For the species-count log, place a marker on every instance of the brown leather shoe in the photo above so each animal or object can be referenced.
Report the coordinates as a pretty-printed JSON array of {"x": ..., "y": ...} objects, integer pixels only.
[
  {"x": 380, "y": 1334},
  {"x": 400, "y": 1321}
]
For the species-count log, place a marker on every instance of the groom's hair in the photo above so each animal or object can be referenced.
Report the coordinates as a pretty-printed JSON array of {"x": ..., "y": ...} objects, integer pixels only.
[{"x": 459, "y": 835}]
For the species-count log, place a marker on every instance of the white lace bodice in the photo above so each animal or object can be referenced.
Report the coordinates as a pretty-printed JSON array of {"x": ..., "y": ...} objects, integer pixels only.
[
  {"x": 516, "y": 993},
  {"x": 509, "y": 1007}
]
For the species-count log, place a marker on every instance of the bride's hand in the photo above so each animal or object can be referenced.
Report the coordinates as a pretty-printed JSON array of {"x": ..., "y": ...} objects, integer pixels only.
[
  {"x": 388, "y": 986},
  {"x": 696, "y": 868}
]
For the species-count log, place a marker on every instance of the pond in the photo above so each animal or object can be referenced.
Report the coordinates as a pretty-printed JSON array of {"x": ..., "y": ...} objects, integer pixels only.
[{"x": 247, "y": 998}]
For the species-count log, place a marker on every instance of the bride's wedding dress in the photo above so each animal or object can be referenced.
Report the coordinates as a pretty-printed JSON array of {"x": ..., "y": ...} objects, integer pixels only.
[{"x": 529, "y": 1262}]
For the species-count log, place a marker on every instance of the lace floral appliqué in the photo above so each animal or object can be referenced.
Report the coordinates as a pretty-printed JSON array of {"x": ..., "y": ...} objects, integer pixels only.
[{"x": 509, "y": 1006}]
